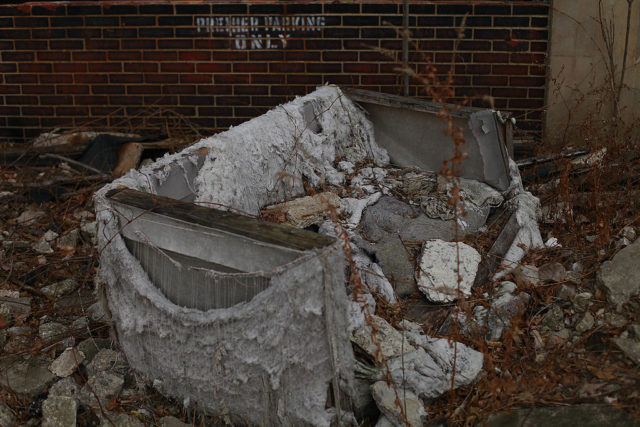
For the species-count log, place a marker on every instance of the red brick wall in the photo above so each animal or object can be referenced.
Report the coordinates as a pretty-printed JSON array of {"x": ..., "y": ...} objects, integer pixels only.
[{"x": 218, "y": 64}]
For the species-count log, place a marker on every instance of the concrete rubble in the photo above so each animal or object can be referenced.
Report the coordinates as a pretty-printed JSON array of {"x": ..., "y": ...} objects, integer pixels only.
[{"x": 380, "y": 211}]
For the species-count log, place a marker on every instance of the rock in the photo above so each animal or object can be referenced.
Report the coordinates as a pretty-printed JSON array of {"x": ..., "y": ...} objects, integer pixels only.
[
  {"x": 615, "y": 320},
  {"x": 107, "y": 360},
  {"x": 96, "y": 312},
  {"x": 585, "y": 415},
  {"x": 18, "y": 330},
  {"x": 620, "y": 277},
  {"x": 629, "y": 233},
  {"x": 581, "y": 301},
  {"x": 305, "y": 211},
  {"x": 384, "y": 422},
  {"x": 6, "y": 416},
  {"x": 118, "y": 419},
  {"x": 373, "y": 277},
  {"x": 60, "y": 288},
  {"x": 43, "y": 247},
  {"x": 53, "y": 331},
  {"x": 554, "y": 318},
  {"x": 566, "y": 292},
  {"x": 27, "y": 377},
  {"x": 80, "y": 325},
  {"x": 629, "y": 342},
  {"x": 585, "y": 323},
  {"x": 363, "y": 404},
  {"x": 355, "y": 207},
  {"x": 91, "y": 346},
  {"x": 356, "y": 310},
  {"x": 441, "y": 263},
  {"x": 526, "y": 275},
  {"x": 105, "y": 386},
  {"x": 171, "y": 422},
  {"x": 411, "y": 412},
  {"x": 67, "y": 362},
  {"x": 59, "y": 411},
  {"x": 20, "y": 305},
  {"x": 29, "y": 216},
  {"x": 418, "y": 372},
  {"x": 67, "y": 387},
  {"x": 394, "y": 260},
  {"x": 391, "y": 341},
  {"x": 89, "y": 230},
  {"x": 497, "y": 317},
  {"x": 552, "y": 272},
  {"x": 69, "y": 241},
  {"x": 390, "y": 216}
]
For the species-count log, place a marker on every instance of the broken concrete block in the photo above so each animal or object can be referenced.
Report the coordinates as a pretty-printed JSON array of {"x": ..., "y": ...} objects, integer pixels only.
[
  {"x": 385, "y": 342},
  {"x": 620, "y": 277},
  {"x": 373, "y": 277},
  {"x": 526, "y": 275},
  {"x": 410, "y": 410},
  {"x": 394, "y": 260},
  {"x": 629, "y": 342},
  {"x": 27, "y": 377},
  {"x": 305, "y": 211},
  {"x": 60, "y": 288},
  {"x": 447, "y": 270},
  {"x": 552, "y": 272},
  {"x": 59, "y": 411},
  {"x": 67, "y": 362}
]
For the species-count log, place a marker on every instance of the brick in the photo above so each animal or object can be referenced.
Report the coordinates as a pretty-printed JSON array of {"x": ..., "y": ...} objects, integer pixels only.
[
  {"x": 422, "y": 9},
  {"x": 435, "y": 21},
  {"x": 102, "y": 44},
  {"x": 101, "y": 21},
  {"x": 37, "y": 111},
  {"x": 66, "y": 44},
  {"x": 454, "y": 9},
  {"x": 530, "y": 34},
  {"x": 8, "y": 68},
  {"x": 67, "y": 21},
  {"x": 530, "y": 58},
  {"x": 30, "y": 22},
  {"x": 358, "y": 21},
  {"x": 324, "y": 67},
  {"x": 231, "y": 78},
  {"x": 181, "y": 89},
  {"x": 379, "y": 79},
  {"x": 187, "y": 32},
  {"x": 83, "y": 10},
  {"x": 156, "y": 32},
  {"x": 72, "y": 89},
  {"x": 49, "y": 10},
  {"x": 341, "y": 33},
  {"x": 324, "y": 44},
  {"x": 126, "y": 78},
  {"x": 491, "y": 57},
  {"x": 125, "y": 56},
  {"x": 18, "y": 56},
  {"x": 14, "y": 89},
  {"x": 144, "y": 89},
  {"x": 250, "y": 67},
  {"x": 197, "y": 100},
  {"x": 119, "y": 9},
  {"x": 268, "y": 78},
  {"x": 508, "y": 92},
  {"x": 177, "y": 67},
  {"x": 536, "y": 93},
  {"x": 490, "y": 80},
  {"x": 34, "y": 67},
  {"x": 56, "y": 99},
  {"x": 195, "y": 56},
  {"x": 159, "y": 56},
  {"x": 143, "y": 67},
  {"x": 378, "y": 33},
  {"x": 511, "y": 46},
  {"x": 299, "y": 55},
  {"x": 422, "y": 33},
  {"x": 341, "y": 8},
  {"x": 215, "y": 111},
  {"x": 175, "y": 44},
  {"x": 72, "y": 111},
  {"x": 224, "y": 9},
  {"x": 23, "y": 121},
  {"x": 339, "y": 56},
  {"x": 286, "y": 67},
  {"x": 474, "y": 45},
  {"x": 48, "y": 33},
  {"x": 308, "y": 79},
  {"x": 126, "y": 100},
  {"x": 527, "y": 81},
  {"x": 511, "y": 21},
  {"x": 106, "y": 111},
  {"x": 213, "y": 44},
  {"x": 530, "y": 10},
  {"x": 213, "y": 67},
  {"x": 21, "y": 78},
  {"x": 193, "y": 9},
  {"x": 539, "y": 22},
  {"x": 233, "y": 100},
  {"x": 161, "y": 78},
  {"x": 511, "y": 69},
  {"x": 473, "y": 68},
  {"x": 90, "y": 78},
  {"x": 195, "y": 78},
  {"x": 138, "y": 21},
  {"x": 491, "y": 34},
  {"x": 156, "y": 9},
  {"x": 105, "y": 67},
  {"x": 89, "y": 56},
  {"x": 214, "y": 90},
  {"x": 84, "y": 33},
  {"x": 250, "y": 90},
  {"x": 29, "y": 45},
  {"x": 539, "y": 46},
  {"x": 381, "y": 8},
  {"x": 484, "y": 9},
  {"x": 473, "y": 21},
  {"x": 14, "y": 34},
  {"x": 119, "y": 33},
  {"x": 360, "y": 68},
  {"x": 108, "y": 89}
]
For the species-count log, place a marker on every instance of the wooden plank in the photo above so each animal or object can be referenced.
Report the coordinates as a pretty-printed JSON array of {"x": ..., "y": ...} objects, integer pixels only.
[{"x": 278, "y": 234}]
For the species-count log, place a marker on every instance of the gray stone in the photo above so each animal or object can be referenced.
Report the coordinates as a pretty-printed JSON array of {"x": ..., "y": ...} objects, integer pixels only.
[
  {"x": 170, "y": 421},
  {"x": 620, "y": 277},
  {"x": 70, "y": 240},
  {"x": 585, "y": 323},
  {"x": 305, "y": 211},
  {"x": 526, "y": 275},
  {"x": 552, "y": 272},
  {"x": 554, "y": 318},
  {"x": 390, "y": 340},
  {"x": 118, "y": 419},
  {"x": 15, "y": 331},
  {"x": 67, "y": 362},
  {"x": 566, "y": 292},
  {"x": 60, "y": 288},
  {"x": 586, "y": 415},
  {"x": 447, "y": 270},
  {"x": 108, "y": 360},
  {"x": 89, "y": 230},
  {"x": 629, "y": 342},
  {"x": 26, "y": 377},
  {"x": 59, "y": 411},
  {"x": 362, "y": 401},
  {"x": 390, "y": 216},
  {"x": 411, "y": 412},
  {"x": 96, "y": 312},
  {"x": 20, "y": 305},
  {"x": 394, "y": 260},
  {"x": 104, "y": 385},
  {"x": 53, "y": 331},
  {"x": 373, "y": 277},
  {"x": 29, "y": 216},
  {"x": 629, "y": 233},
  {"x": 91, "y": 346},
  {"x": 6, "y": 416},
  {"x": 384, "y": 422},
  {"x": 581, "y": 301},
  {"x": 80, "y": 324},
  {"x": 67, "y": 387},
  {"x": 615, "y": 320},
  {"x": 42, "y": 246},
  {"x": 497, "y": 317}
]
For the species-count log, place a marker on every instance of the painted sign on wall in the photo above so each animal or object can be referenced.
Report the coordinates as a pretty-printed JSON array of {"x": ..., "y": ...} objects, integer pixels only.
[{"x": 260, "y": 32}]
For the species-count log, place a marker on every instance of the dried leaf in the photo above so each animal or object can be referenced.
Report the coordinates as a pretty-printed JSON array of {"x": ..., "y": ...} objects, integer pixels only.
[{"x": 600, "y": 374}]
